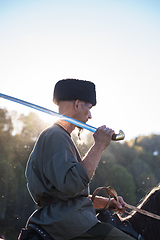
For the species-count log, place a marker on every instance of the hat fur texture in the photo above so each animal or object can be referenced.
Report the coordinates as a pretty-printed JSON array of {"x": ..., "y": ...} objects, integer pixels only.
[{"x": 74, "y": 89}]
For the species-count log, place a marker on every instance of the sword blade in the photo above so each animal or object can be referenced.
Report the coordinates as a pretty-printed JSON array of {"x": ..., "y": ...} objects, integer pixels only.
[
  {"x": 115, "y": 137},
  {"x": 48, "y": 111}
]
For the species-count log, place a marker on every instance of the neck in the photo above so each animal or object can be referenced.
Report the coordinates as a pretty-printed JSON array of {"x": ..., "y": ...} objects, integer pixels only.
[
  {"x": 69, "y": 127},
  {"x": 66, "y": 108}
]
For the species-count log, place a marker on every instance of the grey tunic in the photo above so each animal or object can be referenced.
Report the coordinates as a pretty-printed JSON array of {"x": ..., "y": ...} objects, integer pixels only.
[{"x": 54, "y": 176}]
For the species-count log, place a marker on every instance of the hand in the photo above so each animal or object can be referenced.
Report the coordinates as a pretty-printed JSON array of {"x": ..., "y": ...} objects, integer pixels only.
[
  {"x": 103, "y": 136},
  {"x": 118, "y": 205}
]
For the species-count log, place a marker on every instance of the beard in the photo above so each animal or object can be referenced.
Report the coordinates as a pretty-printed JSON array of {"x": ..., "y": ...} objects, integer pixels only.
[{"x": 80, "y": 129}]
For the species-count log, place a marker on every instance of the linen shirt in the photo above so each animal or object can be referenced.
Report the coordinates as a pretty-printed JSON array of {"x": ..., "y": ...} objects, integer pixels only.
[{"x": 54, "y": 176}]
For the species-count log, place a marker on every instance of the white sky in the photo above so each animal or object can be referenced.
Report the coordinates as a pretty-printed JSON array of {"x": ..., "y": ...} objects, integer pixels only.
[{"x": 114, "y": 43}]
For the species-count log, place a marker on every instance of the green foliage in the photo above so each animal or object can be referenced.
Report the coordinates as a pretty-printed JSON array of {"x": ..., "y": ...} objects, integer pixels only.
[
  {"x": 123, "y": 152},
  {"x": 150, "y": 143},
  {"x": 122, "y": 181},
  {"x": 16, "y": 204},
  {"x": 9, "y": 233},
  {"x": 5, "y": 121},
  {"x": 132, "y": 168},
  {"x": 109, "y": 173}
]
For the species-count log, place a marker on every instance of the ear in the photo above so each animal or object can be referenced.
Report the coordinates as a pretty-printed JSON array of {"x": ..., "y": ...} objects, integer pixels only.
[{"x": 76, "y": 105}]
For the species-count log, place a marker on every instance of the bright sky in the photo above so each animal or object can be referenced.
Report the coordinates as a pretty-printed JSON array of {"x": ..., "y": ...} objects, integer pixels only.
[{"x": 114, "y": 43}]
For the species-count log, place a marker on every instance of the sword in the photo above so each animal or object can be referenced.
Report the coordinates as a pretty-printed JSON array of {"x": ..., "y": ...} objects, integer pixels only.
[{"x": 115, "y": 137}]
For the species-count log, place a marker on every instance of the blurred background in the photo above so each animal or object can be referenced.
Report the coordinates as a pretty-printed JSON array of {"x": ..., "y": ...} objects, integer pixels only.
[{"x": 115, "y": 44}]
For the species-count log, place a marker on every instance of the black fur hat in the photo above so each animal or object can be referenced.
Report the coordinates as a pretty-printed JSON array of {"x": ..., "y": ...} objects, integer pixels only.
[{"x": 74, "y": 89}]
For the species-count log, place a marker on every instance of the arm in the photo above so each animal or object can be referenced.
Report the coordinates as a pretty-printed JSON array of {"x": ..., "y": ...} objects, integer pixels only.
[
  {"x": 102, "y": 138},
  {"x": 101, "y": 202}
]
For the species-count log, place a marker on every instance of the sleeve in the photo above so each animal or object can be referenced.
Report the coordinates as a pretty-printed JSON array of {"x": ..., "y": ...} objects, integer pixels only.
[
  {"x": 67, "y": 175},
  {"x": 64, "y": 172}
]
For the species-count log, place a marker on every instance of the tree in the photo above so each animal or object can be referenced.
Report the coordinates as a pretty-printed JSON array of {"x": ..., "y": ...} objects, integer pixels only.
[
  {"x": 123, "y": 153},
  {"x": 149, "y": 143},
  {"x": 32, "y": 126},
  {"x": 143, "y": 176},
  {"x": 109, "y": 173},
  {"x": 122, "y": 181}
]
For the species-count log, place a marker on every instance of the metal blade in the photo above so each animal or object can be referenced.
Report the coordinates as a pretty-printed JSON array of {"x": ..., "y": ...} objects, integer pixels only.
[{"x": 115, "y": 137}]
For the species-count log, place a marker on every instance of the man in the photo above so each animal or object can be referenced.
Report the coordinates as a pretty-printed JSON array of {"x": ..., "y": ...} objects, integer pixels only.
[{"x": 58, "y": 178}]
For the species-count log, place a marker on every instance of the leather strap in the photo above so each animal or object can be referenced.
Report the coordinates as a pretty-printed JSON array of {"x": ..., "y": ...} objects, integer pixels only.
[{"x": 111, "y": 192}]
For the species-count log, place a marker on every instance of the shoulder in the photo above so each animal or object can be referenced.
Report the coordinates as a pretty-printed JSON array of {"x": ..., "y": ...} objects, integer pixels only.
[
  {"x": 55, "y": 135},
  {"x": 55, "y": 131}
]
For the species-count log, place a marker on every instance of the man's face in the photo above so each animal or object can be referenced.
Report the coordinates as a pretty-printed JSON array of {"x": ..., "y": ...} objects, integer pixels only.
[{"x": 84, "y": 111}]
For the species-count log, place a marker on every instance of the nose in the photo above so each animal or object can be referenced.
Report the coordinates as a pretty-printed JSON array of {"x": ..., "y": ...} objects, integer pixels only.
[{"x": 90, "y": 115}]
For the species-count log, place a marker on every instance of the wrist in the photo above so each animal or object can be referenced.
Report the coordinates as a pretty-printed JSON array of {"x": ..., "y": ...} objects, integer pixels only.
[{"x": 98, "y": 147}]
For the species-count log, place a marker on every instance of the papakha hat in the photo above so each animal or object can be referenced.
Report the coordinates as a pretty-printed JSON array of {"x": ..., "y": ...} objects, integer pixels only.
[{"x": 74, "y": 89}]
